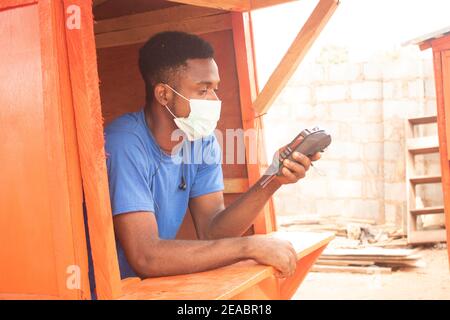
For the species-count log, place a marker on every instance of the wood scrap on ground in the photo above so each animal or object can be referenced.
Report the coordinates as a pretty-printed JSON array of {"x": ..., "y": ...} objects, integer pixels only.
[
  {"x": 352, "y": 269},
  {"x": 360, "y": 246}
]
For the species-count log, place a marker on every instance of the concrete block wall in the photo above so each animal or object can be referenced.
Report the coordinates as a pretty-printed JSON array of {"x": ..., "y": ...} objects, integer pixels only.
[{"x": 364, "y": 106}]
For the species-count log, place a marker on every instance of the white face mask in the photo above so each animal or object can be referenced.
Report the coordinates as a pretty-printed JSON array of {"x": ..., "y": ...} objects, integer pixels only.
[{"x": 202, "y": 119}]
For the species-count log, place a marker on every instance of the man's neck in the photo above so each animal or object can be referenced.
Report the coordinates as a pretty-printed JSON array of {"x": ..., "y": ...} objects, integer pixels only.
[{"x": 161, "y": 128}]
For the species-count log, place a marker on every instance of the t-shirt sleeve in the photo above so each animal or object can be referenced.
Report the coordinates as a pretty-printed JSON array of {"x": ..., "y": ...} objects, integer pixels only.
[
  {"x": 128, "y": 174},
  {"x": 209, "y": 177}
]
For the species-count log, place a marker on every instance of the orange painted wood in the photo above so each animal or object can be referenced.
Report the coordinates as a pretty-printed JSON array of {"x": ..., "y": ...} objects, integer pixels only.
[
  {"x": 440, "y": 44},
  {"x": 154, "y": 17},
  {"x": 12, "y": 296},
  {"x": 84, "y": 80},
  {"x": 442, "y": 80},
  {"x": 234, "y": 5},
  {"x": 289, "y": 287},
  {"x": 39, "y": 213},
  {"x": 267, "y": 289},
  {"x": 197, "y": 26},
  {"x": 243, "y": 280},
  {"x": 248, "y": 91},
  {"x": 445, "y": 58},
  {"x": 98, "y": 2},
  {"x": 55, "y": 47},
  {"x": 25, "y": 193},
  {"x": 230, "y": 5},
  {"x": 118, "y": 8},
  {"x": 9, "y": 4}
]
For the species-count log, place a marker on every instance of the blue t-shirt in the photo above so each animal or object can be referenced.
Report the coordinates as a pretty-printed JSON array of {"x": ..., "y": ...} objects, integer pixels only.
[{"x": 144, "y": 178}]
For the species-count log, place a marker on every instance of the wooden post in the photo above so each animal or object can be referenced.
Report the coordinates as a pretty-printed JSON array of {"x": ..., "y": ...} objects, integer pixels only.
[
  {"x": 246, "y": 69},
  {"x": 89, "y": 122},
  {"x": 442, "y": 79}
]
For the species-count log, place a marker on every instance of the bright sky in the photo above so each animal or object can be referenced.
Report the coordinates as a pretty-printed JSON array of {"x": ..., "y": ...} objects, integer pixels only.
[{"x": 363, "y": 26}]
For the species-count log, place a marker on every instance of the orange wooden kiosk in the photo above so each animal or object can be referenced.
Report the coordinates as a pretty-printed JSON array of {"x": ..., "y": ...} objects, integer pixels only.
[
  {"x": 439, "y": 42},
  {"x": 62, "y": 78}
]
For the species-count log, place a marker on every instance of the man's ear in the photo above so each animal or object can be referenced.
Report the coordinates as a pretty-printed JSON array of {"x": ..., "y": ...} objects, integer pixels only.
[{"x": 162, "y": 94}]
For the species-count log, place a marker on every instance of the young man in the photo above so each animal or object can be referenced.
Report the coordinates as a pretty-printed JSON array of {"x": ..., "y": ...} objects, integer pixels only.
[{"x": 151, "y": 188}]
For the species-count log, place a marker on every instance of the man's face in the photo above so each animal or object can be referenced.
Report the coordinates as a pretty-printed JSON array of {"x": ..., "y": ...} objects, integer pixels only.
[{"x": 199, "y": 80}]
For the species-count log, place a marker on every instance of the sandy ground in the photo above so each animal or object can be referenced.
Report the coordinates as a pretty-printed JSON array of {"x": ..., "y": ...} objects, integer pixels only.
[{"x": 430, "y": 282}]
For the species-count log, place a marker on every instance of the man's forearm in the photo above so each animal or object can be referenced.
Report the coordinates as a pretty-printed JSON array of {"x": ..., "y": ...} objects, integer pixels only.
[
  {"x": 173, "y": 257},
  {"x": 238, "y": 217}
]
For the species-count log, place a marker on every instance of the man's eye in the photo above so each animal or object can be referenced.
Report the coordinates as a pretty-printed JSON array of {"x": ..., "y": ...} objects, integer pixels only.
[{"x": 204, "y": 92}]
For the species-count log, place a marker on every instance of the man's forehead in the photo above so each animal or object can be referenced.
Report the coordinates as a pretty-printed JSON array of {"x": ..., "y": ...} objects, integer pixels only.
[{"x": 202, "y": 71}]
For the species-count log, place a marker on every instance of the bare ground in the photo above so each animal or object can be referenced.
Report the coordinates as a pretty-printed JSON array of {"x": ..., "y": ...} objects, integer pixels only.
[{"x": 430, "y": 282}]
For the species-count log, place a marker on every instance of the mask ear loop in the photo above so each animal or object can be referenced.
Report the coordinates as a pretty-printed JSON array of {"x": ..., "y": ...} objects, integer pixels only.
[
  {"x": 170, "y": 111},
  {"x": 176, "y": 91},
  {"x": 215, "y": 95}
]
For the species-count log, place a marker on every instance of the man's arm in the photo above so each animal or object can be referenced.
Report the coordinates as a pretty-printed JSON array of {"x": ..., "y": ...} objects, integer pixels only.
[
  {"x": 150, "y": 256},
  {"x": 213, "y": 221}
]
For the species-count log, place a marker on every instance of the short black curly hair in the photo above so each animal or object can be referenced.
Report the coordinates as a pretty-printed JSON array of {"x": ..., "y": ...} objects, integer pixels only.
[{"x": 165, "y": 53}]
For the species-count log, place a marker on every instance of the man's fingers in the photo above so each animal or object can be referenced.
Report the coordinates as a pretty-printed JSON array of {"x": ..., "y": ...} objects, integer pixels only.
[
  {"x": 302, "y": 159},
  {"x": 295, "y": 168},
  {"x": 288, "y": 174},
  {"x": 316, "y": 157}
]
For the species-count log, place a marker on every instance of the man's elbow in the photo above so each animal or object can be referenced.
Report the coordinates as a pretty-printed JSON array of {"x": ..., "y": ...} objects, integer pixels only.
[{"x": 146, "y": 265}]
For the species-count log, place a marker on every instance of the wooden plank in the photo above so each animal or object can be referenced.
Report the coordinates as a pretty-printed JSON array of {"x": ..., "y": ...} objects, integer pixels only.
[
  {"x": 248, "y": 90},
  {"x": 442, "y": 80},
  {"x": 335, "y": 262},
  {"x": 128, "y": 283},
  {"x": 60, "y": 203},
  {"x": 427, "y": 210},
  {"x": 36, "y": 231},
  {"x": 369, "y": 252},
  {"x": 304, "y": 242},
  {"x": 234, "y": 5},
  {"x": 199, "y": 25},
  {"x": 233, "y": 281},
  {"x": 446, "y": 92},
  {"x": 289, "y": 286},
  {"x": 425, "y": 45},
  {"x": 423, "y": 145},
  {"x": 423, "y": 120},
  {"x": 235, "y": 185},
  {"x": 352, "y": 269},
  {"x": 16, "y": 296},
  {"x": 156, "y": 17},
  {"x": 441, "y": 44},
  {"x": 428, "y": 38},
  {"x": 425, "y": 179},
  {"x": 88, "y": 117},
  {"x": 295, "y": 54},
  {"x": 96, "y": 3},
  {"x": 410, "y": 223},
  {"x": 72, "y": 156},
  {"x": 6, "y": 4},
  {"x": 229, "y": 5},
  {"x": 374, "y": 258},
  {"x": 427, "y": 236}
]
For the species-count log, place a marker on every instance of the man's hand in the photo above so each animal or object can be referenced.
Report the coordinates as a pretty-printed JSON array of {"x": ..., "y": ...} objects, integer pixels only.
[
  {"x": 277, "y": 253},
  {"x": 294, "y": 170}
]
